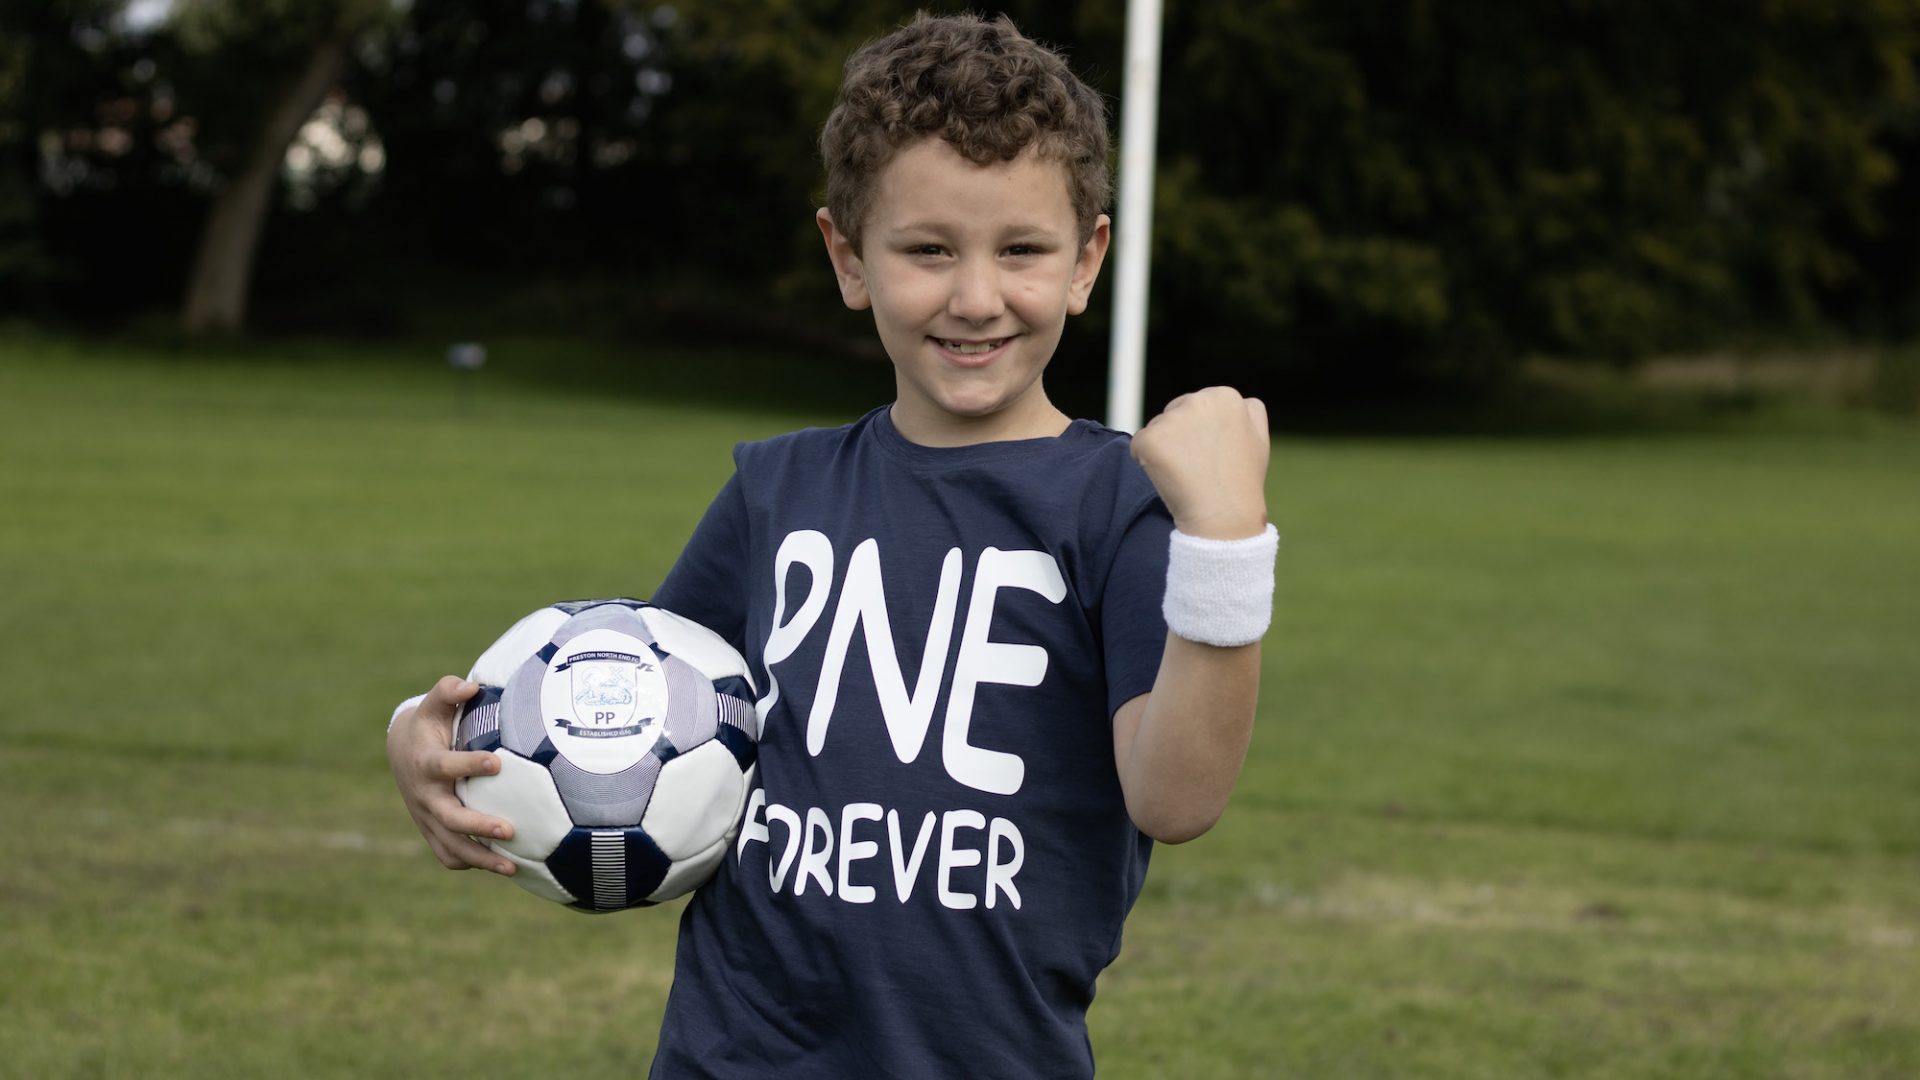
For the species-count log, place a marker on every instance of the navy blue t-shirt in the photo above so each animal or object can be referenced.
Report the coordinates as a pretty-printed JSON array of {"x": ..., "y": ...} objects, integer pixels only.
[{"x": 936, "y": 859}]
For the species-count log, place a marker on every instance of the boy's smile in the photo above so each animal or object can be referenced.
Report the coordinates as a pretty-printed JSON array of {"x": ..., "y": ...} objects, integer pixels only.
[{"x": 971, "y": 272}]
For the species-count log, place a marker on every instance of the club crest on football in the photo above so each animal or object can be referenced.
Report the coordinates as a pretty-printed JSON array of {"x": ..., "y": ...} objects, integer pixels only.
[
  {"x": 604, "y": 686},
  {"x": 606, "y": 706}
]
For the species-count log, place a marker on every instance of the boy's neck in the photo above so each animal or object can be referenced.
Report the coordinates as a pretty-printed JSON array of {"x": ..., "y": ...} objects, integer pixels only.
[{"x": 945, "y": 430}]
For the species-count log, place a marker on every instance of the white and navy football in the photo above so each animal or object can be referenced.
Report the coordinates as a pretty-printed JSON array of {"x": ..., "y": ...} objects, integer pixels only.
[{"x": 626, "y": 736}]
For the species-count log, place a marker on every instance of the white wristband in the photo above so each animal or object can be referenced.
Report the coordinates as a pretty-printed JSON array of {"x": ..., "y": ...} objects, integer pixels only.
[
  {"x": 1220, "y": 592},
  {"x": 410, "y": 703}
]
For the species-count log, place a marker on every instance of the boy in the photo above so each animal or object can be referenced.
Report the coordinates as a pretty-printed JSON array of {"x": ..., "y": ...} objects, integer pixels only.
[{"x": 975, "y": 718}]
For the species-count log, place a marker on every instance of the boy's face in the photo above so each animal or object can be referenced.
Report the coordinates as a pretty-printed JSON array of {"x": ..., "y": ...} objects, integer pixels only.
[{"x": 971, "y": 272}]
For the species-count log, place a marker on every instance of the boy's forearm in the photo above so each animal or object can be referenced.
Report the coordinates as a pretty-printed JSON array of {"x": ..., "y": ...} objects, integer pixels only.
[{"x": 1180, "y": 748}]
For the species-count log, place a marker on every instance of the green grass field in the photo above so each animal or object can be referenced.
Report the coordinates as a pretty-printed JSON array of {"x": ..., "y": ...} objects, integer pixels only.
[{"x": 1577, "y": 757}]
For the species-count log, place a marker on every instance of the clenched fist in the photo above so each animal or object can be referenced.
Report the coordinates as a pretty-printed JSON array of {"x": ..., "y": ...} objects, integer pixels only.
[{"x": 1207, "y": 457}]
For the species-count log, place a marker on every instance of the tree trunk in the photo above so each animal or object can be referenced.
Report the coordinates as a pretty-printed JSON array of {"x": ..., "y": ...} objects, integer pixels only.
[{"x": 223, "y": 267}]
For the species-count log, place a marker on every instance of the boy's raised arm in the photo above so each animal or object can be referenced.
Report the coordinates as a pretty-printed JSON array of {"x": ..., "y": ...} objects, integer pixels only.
[{"x": 1179, "y": 748}]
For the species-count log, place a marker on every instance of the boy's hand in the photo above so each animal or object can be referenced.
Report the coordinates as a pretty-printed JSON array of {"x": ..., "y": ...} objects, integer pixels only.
[
  {"x": 1207, "y": 457},
  {"x": 425, "y": 769}
]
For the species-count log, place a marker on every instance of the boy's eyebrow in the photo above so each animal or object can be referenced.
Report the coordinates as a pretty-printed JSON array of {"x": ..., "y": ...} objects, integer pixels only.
[{"x": 940, "y": 227}]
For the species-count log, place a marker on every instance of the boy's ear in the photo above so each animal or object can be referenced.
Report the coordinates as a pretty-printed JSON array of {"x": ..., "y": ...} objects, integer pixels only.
[
  {"x": 847, "y": 267},
  {"x": 1086, "y": 269}
]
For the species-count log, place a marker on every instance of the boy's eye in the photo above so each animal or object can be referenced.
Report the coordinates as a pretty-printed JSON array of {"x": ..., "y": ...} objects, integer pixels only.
[
  {"x": 1023, "y": 249},
  {"x": 926, "y": 249}
]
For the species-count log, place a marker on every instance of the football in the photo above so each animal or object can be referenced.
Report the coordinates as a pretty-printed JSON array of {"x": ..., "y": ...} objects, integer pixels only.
[{"x": 627, "y": 741}]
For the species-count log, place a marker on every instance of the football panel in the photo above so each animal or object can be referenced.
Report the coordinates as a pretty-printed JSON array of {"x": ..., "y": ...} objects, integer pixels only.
[
  {"x": 609, "y": 615},
  {"x": 612, "y": 801},
  {"x": 695, "y": 644},
  {"x": 478, "y": 727},
  {"x": 736, "y": 711},
  {"x": 695, "y": 800},
  {"x": 608, "y": 869},
  {"x": 738, "y": 741},
  {"x": 523, "y": 639},
  {"x": 524, "y": 794},
  {"x": 574, "y": 607},
  {"x": 692, "y": 707},
  {"x": 687, "y": 875},
  {"x": 533, "y": 876}
]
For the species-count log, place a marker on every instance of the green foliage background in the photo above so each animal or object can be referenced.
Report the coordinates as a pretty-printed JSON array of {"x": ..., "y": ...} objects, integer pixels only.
[
  {"x": 1354, "y": 191},
  {"x": 1483, "y": 179}
]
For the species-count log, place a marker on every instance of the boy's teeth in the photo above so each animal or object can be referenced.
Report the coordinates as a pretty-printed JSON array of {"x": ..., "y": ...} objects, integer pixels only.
[{"x": 971, "y": 347}]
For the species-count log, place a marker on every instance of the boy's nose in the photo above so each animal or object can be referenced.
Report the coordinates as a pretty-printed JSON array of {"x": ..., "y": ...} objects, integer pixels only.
[{"x": 976, "y": 293}]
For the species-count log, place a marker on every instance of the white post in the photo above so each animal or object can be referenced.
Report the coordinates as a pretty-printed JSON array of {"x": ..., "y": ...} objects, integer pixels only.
[{"x": 1133, "y": 233}]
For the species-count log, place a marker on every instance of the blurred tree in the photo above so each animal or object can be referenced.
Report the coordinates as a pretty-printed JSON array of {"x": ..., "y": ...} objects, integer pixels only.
[
  {"x": 1356, "y": 184},
  {"x": 735, "y": 148},
  {"x": 1890, "y": 303},
  {"x": 673, "y": 142},
  {"x": 263, "y": 67},
  {"x": 20, "y": 255},
  {"x": 1352, "y": 188},
  {"x": 18, "y": 245},
  {"x": 1343, "y": 188},
  {"x": 516, "y": 128},
  {"x": 49, "y": 60}
]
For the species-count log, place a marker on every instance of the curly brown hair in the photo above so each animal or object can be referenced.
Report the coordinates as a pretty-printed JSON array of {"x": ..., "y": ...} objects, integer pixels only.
[{"x": 985, "y": 88}]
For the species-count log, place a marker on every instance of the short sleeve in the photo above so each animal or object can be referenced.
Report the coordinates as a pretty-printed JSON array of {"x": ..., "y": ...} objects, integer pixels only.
[
  {"x": 1132, "y": 627},
  {"x": 705, "y": 584}
]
